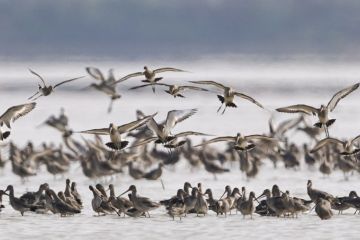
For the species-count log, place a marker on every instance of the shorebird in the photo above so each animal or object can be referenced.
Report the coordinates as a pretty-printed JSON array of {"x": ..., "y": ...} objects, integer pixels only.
[
  {"x": 163, "y": 130},
  {"x": 122, "y": 204},
  {"x": 347, "y": 146},
  {"x": 240, "y": 143},
  {"x": 141, "y": 203},
  {"x": 246, "y": 207},
  {"x": 76, "y": 194},
  {"x": 17, "y": 203},
  {"x": 190, "y": 200},
  {"x": 116, "y": 131},
  {"x": 47, "y": 90},
  {"x": 276, "y": 204},
  {"x": 176, "y": 205},
  {"x": 322, "y": 112},
  {"x": 315, "y": 194},
  {"x": 150, "y": 75},
  {"x": 201, "y": 206},
  {"x": 227, "y": 98},
  {"x": 97, "y": 201},
  {"x": 323, "y": 208},
  {"x": 174, "y": 90},
  {"x": 155, "y": 173},
  {"x": 32, "y": 198},
  {"x": 106, "y": 85},
  {"x": 60, "y": 206},
  {"x": 12, "y": 114}
]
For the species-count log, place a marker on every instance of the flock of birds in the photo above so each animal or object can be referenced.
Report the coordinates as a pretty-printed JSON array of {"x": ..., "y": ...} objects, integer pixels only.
[
  {"x": 98, "y": 159},
  {"x": 276, "y": 203}
]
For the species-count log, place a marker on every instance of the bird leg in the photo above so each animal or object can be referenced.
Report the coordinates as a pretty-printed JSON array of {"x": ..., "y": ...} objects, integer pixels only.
[
  {"x": 110, "y": 106},
  {"x": 219, "y": 107},
  {"x": 33, "y": 95},
  {"x": 326, "y": 130},
  {"x": 224, "y": 110}
]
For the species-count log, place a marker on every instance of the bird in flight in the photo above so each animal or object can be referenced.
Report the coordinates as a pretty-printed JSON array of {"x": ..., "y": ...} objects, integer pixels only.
[
  {"x": 150, "y": 75},
  {"x": 12, "y": 114},
  {"x": 323, "y": 112},
  {"x": 46, "y": 90}
]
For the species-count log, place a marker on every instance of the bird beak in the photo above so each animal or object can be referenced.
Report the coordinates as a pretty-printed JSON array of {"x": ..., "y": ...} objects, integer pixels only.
[
  {"x": 222, "y": 195},
  {"x": 124, "y": 192},
  {"x": 262, "y": 195}
]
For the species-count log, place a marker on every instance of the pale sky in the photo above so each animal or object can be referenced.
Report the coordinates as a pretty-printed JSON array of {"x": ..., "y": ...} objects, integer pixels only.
[{"x": 127, "y": 29}]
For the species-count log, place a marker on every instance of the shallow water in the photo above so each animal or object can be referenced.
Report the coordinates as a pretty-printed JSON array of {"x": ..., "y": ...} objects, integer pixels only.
[{"x": 88, "y": 110}]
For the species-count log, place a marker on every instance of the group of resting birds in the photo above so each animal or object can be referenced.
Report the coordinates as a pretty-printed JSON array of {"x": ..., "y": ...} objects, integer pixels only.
[{"x": 188, "y": 200}]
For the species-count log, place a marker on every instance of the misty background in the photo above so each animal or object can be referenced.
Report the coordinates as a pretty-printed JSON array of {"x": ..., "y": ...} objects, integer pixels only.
[{"x": 171, "y": 29}]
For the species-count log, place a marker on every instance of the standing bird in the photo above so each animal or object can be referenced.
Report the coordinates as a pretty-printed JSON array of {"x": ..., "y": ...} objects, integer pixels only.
[
  {"x": 47, "y": 90},
  {"x": 227, "y": 98},
  {"x": 322, "y": 112},
  {"x": 150, "y": 75},
  {"x": 12, "y": 114},
  {"x": 174, "y": 90},
  {"x": 141, "y": 203},
  {"x": 106, "y": 85},
  {"x": 115, "y": 132},
  {"x": 323, "y": 209}
]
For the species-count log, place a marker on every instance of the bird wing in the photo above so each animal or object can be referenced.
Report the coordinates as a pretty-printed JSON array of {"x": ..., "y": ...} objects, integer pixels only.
[
  {"x": 357, "y": 138},
  {"x": 187, "y": 133},
  {"x": 299, "y": 108},
  {"x": 213, "y": 83},
  {"x": 246, "y": 97},
  {"x": 15, "y": 112},
  {"x": 36, "y": 74},
  {"x": 340, "y": 95},
  {"x": 153, "y": 126},
  {"x": 168, "y": 69},
  {"x": 259, "y": 137},
  {"x": 176, "y": 116},
  {"x": 129, "y": 76},
  {"x": 95, "y": 73},
  {"x": 192, "y": 88},
  {"x": 66, "y": 81},
  {"x": 218, "y": 139},
  {"x": 98, "y": 131},
  {"x": 325, "y": 141},
  {"x": 135, "y": 124}
]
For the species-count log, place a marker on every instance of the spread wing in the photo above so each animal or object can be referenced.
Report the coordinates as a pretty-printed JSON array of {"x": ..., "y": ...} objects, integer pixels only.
[
  {"x": 357, "y": 138},
  {"x": 340, "y": 95},
  {"x": 153, "y": 126},
  {"x": 324, "y": 142},
  {"x": 97, "y": 131},
  {"x": 135, "y": 124},
  {"x": 131, "y": 75},
  {"x": 176, "y": 116},
  {"x": 15, "y": 112},
  {"x": 188, "y": 133},
  {"x": 260, "y": 137},
  {"x": 36, "y": 74},
  {"x": 213, "y": 83},
  {"x": 218, "y": 139},
  {"x": 168, "y": 69},
  {"x": 299, "y": 108},
  {"x": 246, "y": 97},
  {"x": 95, "y": 73},
  {"x": 192, "y": 88},
  {"x": 66, "y": 81}
]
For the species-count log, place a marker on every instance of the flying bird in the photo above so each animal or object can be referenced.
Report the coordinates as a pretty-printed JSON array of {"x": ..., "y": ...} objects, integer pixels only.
[
  {"x": 322, "y": 112},
  {"x": 106, "y": 85},
  {"x": 115, "y": 132},
  {"x": 174, "y": 90},
  {"x": 228, "y": 96},
  {"x": 12, "y": 114},
  {"x": 46, "y": 90},
  {"x": 150, "y": 75},
  {"x": 347, "y": 146}
]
